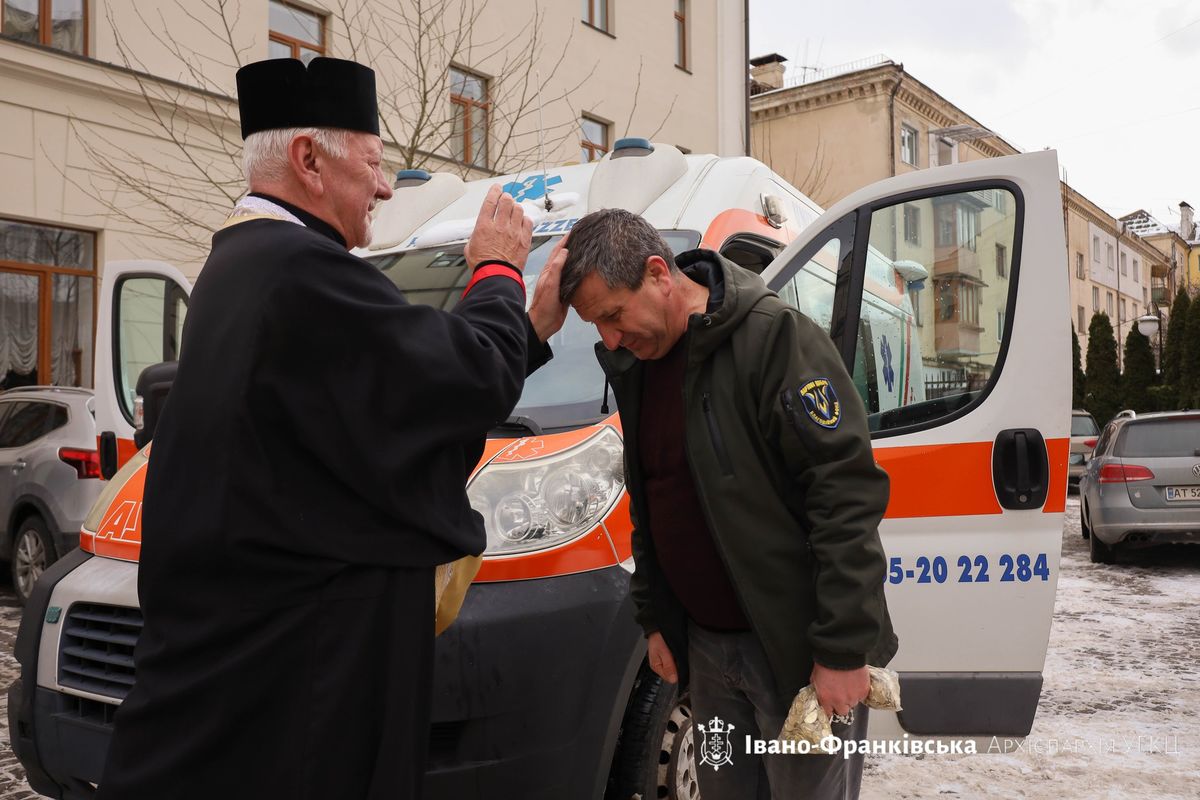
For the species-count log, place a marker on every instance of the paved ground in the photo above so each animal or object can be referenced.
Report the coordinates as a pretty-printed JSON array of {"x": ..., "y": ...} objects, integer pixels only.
[
  {"x": 1119, "y": 715},
  {"x": 12, "y": 777},
  {"x": 1120, "y": 709}
]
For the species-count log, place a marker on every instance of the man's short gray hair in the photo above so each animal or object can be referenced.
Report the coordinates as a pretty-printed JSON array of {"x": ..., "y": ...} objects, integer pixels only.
[
  {"x": 615, "y": 244},
  {"x": 264, "y": 154}
]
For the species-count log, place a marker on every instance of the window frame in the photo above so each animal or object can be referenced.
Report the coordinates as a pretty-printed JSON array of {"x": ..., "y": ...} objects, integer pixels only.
[
  {"x": 681, "y": 35},
  {"x": 467, "y": 104},
  {"x": 915, "y": 211},
  {"x": 855, "y": 227},
  {"x": 172, "y": 293},
  {"x": 45, "y": 273},
  {"x": 293, "y": 42},
  {"x": 589, "y": 17},
  {"x": 1079, "y": 271},
  {"x": 915, "y": 149},
  {"x": 46, "y": 31},
  {"x": 596, "y": 150}
]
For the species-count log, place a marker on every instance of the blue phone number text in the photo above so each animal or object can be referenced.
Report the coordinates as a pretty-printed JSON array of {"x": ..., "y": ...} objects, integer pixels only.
[{"x": 1021, "y": 568}]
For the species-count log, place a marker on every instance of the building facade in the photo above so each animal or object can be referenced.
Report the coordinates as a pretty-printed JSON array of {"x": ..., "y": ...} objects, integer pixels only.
[
  {"x": 836, "y": 131},
  {"x": 121, "y": 135}
]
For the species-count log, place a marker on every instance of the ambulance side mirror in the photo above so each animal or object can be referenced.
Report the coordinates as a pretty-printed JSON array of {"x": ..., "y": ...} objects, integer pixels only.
[{"x": 153, "y": 386}]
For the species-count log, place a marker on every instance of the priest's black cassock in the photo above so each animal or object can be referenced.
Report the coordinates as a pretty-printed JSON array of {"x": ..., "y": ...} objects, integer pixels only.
[{"x": 306, "y": 476}]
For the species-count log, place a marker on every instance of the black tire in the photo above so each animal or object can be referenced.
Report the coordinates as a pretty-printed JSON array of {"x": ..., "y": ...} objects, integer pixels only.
[
  {"x": 32, "y": 553},
  {"x": 1100, "y": 552},
  {"x": 655, "y": 756},
  {"x": 1084, "y": 530}
]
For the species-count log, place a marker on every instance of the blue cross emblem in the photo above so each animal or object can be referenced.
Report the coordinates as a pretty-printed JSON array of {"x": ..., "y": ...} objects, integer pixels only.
[
  {"x": 889, "y": 374},
  {"x": 535, "y": 187}
]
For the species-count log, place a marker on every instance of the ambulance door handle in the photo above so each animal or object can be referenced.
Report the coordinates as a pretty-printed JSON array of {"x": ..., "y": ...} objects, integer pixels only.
[{"x": 1020, "y": 468}]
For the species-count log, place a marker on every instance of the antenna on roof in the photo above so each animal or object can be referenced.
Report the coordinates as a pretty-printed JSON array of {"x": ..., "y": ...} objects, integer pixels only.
[{"x": 542, "y": 145}]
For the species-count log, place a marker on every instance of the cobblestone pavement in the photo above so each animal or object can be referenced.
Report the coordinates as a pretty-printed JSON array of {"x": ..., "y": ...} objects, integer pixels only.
[{"x": 12, "y": 777}]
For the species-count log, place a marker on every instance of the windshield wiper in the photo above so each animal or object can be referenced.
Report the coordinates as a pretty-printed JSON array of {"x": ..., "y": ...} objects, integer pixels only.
[{"x": 523, "y": 423}]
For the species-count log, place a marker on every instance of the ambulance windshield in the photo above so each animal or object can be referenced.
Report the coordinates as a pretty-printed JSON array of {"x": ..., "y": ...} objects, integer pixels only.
[{"x": 565, "y": 392}]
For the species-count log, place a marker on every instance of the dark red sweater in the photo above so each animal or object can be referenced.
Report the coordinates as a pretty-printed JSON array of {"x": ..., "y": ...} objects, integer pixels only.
[{"x": 686, "y": 551}]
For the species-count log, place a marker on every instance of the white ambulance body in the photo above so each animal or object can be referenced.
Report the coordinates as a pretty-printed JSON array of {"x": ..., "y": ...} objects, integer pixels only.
[{"x": 944, "y": 291}]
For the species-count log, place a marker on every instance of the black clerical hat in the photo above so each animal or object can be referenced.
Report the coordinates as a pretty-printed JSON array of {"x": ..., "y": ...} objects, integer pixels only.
[{"x": 328, "y": 93}]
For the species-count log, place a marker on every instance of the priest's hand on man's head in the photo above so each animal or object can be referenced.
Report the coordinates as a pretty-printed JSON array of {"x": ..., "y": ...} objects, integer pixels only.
[
  {"x": 502, "y": 232},
  {"x": 546, "y": 311}
]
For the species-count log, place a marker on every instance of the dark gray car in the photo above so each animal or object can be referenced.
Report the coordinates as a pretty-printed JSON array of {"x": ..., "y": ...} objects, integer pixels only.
[
  {"x": 49, "y": 476},
  {"x": 1142, "y": 485}
]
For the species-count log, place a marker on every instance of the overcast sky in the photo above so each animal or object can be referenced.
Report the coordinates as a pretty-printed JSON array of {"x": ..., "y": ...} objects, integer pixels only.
[{"x": 1110, "y": 84}]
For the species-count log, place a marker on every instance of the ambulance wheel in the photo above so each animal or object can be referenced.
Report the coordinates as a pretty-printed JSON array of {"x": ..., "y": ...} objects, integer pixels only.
[
  {"x": 655, "y": 756},
  {"x": 32, "y": 553}
]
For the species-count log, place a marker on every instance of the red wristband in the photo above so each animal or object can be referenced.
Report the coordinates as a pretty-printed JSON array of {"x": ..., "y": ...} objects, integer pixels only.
[{"x": 491, "y": 269}]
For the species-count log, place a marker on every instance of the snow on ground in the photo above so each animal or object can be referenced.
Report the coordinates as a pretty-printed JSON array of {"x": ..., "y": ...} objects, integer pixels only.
[{"x": 1120, "y": 710}]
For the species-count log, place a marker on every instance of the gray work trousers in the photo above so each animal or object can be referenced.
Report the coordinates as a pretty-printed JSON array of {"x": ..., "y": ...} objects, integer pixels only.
[{"x": 731, "y": 681}]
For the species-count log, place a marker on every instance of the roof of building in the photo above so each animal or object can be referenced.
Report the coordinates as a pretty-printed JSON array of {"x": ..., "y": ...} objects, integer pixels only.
[{"x": 1143, "y": 223}]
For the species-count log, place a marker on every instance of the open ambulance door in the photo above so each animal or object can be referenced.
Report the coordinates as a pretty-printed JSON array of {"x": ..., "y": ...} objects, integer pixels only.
[
  {"x": 946, "y": 291},
  {"x": 139, "y": 324}
]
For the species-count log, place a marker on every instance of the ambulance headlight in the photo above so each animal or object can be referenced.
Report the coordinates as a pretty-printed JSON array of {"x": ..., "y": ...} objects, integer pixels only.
[{"x": 547, "y": 501}]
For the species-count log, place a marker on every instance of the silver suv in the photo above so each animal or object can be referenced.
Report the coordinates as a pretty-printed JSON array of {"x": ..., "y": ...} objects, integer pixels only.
[
  {"x": 49, "y": 476},
  {"x": 1142, "y": 485}
]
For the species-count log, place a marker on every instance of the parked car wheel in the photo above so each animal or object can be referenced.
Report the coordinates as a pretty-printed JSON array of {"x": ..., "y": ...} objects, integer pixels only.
[
  {"x": 32, "y": 553},
  {"x": 656, "y": 753},
  {"x": 1100, "y": 552},
  {"x": 1084, "y": 530}
]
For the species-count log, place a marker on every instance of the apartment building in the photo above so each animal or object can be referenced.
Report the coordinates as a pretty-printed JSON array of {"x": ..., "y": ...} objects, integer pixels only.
[
  {"x": 836, "y": 130},
  {"x": 121, "y": 137}
]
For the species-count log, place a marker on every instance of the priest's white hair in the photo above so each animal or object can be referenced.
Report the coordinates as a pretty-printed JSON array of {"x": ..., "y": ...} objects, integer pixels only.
[{"x": 264, "y": 154}]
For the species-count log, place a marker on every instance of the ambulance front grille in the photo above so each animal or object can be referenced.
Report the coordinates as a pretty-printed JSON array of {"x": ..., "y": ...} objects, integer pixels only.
[{"x": 96, "y": 653}]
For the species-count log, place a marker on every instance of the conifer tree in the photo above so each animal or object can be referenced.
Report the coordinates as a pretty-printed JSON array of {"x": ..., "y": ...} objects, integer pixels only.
[
  {"x": 1102, "y": 382},
  {"x": 1139, "y": 373}
]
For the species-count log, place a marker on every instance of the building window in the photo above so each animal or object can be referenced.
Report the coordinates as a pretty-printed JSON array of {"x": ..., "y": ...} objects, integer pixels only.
[
  {"x": 61, "y": 24},
  {"x": 595, "y": 13},
  {"x": 1000, "y": 314},
  {"x": 469, "y": 108},
  {"x": 1122, "y": 317},
  {"x": 594, "y": 143},
  {"x": 1136, "y": 277},
  {"x": 1145, "y": 296},
  {"x": 1000, "y": 201},
  {"x": 47, "y": 305},
  {"x": 969, "y": 303},
  {"x": 1124, "y": 266},
  {"x": 1095, "y": 299},
  {"x": 1096, "y": 249},
  {"x": 908, "y": 145},
  {"x": 1108, "y": 304},
  {"x": 1108, "y": 252},
  {"x": 945, "y": 152},
  {"x": 1079, "y": 266},
  {"x": 681, "y": 44},
  {"x": 1133, "y": 308},
  {"x": 1080, "y": 328},
  {"x": 295, "y": 32},
  {"x": 968, "y": 228},
  {"x": 912, "y": 224},
  {"x": 1001, "y": 261}
]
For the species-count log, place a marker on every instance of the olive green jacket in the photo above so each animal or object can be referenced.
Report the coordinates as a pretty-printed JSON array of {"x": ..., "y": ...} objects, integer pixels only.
[{"x": 778, "y": 445}]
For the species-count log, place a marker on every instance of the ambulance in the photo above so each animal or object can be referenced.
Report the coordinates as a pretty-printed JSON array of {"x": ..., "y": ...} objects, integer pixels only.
[{"x": 943, "y": 289}]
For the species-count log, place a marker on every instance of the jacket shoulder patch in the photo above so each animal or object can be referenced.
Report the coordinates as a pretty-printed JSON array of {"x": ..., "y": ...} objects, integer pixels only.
[{"x": 821, "y": 402}]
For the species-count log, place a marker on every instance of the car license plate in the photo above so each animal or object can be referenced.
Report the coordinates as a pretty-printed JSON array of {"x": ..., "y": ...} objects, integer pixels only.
[{"x": 1183, "y": 493}]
